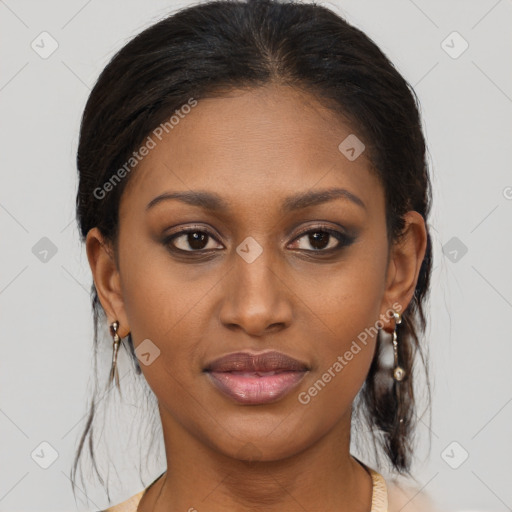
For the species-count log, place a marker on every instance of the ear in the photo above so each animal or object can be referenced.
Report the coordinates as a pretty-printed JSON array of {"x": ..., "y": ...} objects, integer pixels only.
[
  {"x": 405, "y": 260},
  {"x": 106, "y": 279}
]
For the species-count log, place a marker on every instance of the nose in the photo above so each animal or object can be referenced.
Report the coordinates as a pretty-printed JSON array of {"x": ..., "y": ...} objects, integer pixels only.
[{"x": 257, "y": 297}]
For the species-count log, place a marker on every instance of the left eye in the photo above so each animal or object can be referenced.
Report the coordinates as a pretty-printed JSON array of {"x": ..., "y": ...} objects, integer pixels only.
[
  {"x": 322, "y": 240},
  {"x": 192, "y": 238}
]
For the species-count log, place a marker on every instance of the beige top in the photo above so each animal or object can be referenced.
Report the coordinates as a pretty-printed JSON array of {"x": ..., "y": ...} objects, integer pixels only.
[{"x": 391, "y": 497}]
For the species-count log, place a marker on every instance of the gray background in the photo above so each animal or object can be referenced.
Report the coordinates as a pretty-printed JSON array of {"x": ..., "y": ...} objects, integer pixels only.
[{"x": 46, "y": 324}]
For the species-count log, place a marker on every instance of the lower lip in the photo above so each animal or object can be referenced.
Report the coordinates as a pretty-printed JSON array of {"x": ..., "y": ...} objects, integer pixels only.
[{"x": 251, "y": 389}]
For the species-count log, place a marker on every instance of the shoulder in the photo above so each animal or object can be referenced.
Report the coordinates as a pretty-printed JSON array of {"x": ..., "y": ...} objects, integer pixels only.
[
  {"x": 130, "y": 505},
  {"x": 407, "y": 498}
]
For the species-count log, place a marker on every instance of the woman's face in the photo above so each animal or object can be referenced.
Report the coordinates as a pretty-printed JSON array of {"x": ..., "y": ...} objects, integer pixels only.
[{"x": 251, "y": 278}]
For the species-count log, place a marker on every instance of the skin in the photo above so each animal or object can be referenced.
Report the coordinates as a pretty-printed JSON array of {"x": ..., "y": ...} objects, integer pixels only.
[{"x": 255, "y": 147}]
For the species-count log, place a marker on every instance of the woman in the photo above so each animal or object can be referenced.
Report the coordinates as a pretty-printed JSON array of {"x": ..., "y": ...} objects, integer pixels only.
[{"x": 254, "y": 197}]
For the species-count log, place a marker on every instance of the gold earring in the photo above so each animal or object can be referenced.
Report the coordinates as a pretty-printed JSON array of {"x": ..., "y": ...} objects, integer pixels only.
[
  {"x": 114, "y": 374},
  {"x": 398, "y": 371}
]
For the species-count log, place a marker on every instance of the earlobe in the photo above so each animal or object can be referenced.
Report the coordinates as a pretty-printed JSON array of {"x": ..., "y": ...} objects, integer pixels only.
[
  {"x": 106, "y": 279},
  {"x": 404, "y": 265}
]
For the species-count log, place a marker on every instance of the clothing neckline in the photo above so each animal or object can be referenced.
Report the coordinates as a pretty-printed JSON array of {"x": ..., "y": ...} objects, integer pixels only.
[{"x": 379, "y": 489}]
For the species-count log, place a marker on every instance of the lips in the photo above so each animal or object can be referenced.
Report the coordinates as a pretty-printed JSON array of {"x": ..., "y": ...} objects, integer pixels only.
[
  {"x": 256, "y": 378},
  {"x": 271, "y": 361}
]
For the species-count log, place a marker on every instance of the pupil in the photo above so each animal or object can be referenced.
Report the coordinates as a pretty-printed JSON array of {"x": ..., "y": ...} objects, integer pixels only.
[
  {"x": 196, "y": 240},
  {"x": 319, "y": 236}
]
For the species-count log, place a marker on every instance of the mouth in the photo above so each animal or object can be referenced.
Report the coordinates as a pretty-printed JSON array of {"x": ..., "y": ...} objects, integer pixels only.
[{"x": 256, "y": 378}]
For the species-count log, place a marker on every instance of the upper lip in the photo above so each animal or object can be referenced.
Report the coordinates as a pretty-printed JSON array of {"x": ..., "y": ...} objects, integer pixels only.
[{"x": 261, "y": 362}]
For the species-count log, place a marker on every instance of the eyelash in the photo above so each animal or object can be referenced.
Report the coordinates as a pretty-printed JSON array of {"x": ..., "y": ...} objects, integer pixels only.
[{"x": 343, "y": 240}]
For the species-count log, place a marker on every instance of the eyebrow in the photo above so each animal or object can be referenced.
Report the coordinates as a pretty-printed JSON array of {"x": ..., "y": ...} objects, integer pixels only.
[{"x": 214, "y": 202}]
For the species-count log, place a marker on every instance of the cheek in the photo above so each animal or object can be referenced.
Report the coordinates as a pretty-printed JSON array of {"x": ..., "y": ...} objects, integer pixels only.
[
  {"x": 159, "y": 295},
  {"x": 168, "y": 304},
  {"x": 345, "y": 298},
  {"x": 348, "y": 305},
  {"x": 343, "y": 356}
]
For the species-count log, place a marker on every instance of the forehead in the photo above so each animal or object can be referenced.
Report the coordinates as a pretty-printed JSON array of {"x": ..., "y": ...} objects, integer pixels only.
[{"x": 249, "y": 142}]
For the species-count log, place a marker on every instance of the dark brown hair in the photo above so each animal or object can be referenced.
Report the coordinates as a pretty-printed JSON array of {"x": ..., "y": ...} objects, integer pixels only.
[{"x": 216, "y": 46}]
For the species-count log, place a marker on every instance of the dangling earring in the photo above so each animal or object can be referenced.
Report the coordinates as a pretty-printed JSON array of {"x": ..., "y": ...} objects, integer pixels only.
[
  {"x": 114, "y": 374},
  {"x": 398, "y": 371}
]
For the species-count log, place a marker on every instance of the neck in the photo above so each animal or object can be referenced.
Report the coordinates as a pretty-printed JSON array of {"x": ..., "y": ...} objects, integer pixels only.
[{"x": 323, "y": 476}]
